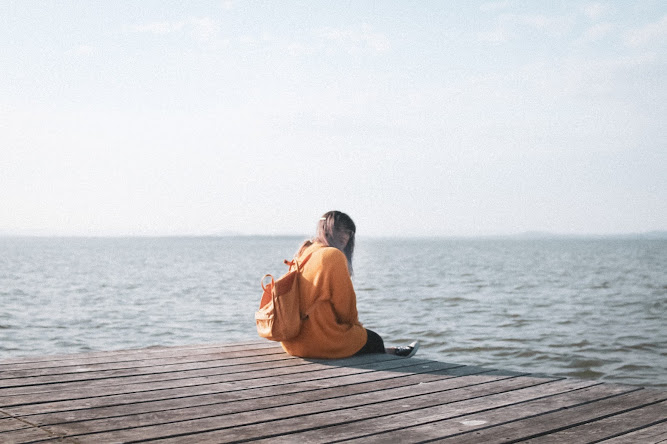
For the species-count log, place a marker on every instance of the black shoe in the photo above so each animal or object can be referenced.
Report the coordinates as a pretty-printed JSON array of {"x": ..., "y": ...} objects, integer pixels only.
[{"x": 407, "y": 352}]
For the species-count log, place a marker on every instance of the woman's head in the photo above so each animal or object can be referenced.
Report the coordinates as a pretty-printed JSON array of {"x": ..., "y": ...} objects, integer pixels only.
[{"x": 336, "y": 229}]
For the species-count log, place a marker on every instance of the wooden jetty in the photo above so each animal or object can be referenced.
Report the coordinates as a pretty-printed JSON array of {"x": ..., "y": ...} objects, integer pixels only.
[{"x": 253, "y": 391}]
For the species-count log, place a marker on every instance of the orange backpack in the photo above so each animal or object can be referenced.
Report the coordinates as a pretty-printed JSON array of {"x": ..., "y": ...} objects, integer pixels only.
[{"x": 279, "y": 316}]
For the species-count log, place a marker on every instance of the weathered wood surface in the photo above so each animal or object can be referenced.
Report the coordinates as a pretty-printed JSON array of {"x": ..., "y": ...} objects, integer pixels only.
[{"x": 254, "y": 391}]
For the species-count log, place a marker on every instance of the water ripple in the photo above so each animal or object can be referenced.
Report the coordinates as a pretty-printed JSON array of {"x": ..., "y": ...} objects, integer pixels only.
[{"x": 585, "y": 308}]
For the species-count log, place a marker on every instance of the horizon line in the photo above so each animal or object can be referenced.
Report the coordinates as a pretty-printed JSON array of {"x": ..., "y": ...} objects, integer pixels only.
[{"x": 531, "y": 234}]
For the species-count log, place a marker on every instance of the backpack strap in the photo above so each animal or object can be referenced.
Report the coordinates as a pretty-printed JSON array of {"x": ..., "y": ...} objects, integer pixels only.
[
  {"x": 295, "y": 263},
  {"x": 299, "y": 266}
]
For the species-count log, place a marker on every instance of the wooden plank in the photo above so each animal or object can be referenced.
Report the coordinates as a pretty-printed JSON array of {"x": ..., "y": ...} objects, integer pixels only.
[
  {"x": 254, "y": 391},
  {"x": 486, "y": 423},
  {"x": 13, "y": 430},
  {"x": 238, "y": 412},
  {"x": 118, "y": 369},
  {"x": 7, "y": 424},
  {"x": 87, "y": 372},
  {"x": 144, "y": 377},
  {"x": 27, "y": 395},
  {"x": 179, "y": 392},
  {"x": 230, "y": 390},
  {"x": 378, "y": 380},
  {"x": 29, "y": 435},
  {"x": 392, "y": 425},
  {"x": 605, "y": 427},
  {"x": 553, "y": 421},
  {"x": 371, "y": 370},
  {"x": 131, "y": 361},
  {"x": 139, "y": 353},
  {"x": 654, "y": 434},
  {"x": 229, "y": 366},
  {"x": 127, "y": 354},
  {"x": 275, "y": 422},
  {"x": 9, "y": 396}
]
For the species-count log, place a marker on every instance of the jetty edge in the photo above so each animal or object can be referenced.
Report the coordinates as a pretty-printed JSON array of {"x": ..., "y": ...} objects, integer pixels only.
[{"x": 253, "y": 391}]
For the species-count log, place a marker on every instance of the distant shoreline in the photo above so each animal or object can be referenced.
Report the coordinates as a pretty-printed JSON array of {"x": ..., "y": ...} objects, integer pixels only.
[{"x": 529, "y": 235}]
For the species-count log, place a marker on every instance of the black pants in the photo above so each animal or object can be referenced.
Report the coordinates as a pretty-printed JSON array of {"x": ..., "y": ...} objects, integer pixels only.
[{"x": 374, "y": 344}]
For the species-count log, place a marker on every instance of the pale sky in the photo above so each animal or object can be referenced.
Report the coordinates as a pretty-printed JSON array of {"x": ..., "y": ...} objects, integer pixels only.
[{"x": 414, "y": 117}]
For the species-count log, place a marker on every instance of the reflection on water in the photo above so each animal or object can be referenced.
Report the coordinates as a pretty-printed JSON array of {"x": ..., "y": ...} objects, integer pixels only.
[{"x": 590, "y": 308}]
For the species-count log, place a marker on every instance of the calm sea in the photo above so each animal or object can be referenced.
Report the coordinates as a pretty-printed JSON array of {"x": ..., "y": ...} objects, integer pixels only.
[{"x": 589, "y": 308}]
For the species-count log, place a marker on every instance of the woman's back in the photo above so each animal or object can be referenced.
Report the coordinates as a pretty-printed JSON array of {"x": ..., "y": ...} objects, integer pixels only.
[{"x": 332, "y": 329}]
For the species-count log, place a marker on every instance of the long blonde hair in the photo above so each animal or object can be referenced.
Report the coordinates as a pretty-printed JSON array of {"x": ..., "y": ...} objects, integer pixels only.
[{"x": 330, "y": 230}]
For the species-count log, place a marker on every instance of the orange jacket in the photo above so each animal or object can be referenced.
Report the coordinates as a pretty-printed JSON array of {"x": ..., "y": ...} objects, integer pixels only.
[{"x": 332, "y": 329}]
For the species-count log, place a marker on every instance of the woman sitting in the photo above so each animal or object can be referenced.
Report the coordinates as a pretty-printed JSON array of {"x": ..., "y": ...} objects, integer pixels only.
[{"x": 332, "y": 328}]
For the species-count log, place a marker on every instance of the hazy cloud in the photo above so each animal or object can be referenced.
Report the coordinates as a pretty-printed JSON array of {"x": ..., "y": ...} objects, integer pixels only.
[
  {"x": 158, "y": 28},
  {"x": 203, "y": 29},
  {"x": 509, "y": 26},
  {"x": 297, "y": 49},
  {"x": 597, "y": 32},
  {"x": 494, "y": 6},
  {"x": 496, "y": 36},
  {"x": 355, "y": 39},
  {"x": 80, "y": 50},
  {"x": 594, "y": 10},
  {"x": 556, "y": 26},
  {"x": 648, "y": 33}
]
